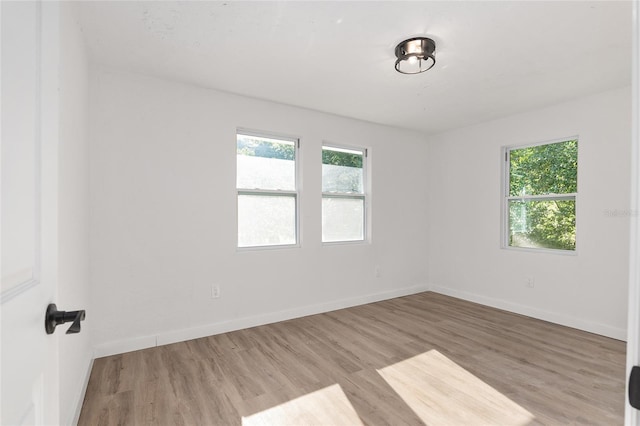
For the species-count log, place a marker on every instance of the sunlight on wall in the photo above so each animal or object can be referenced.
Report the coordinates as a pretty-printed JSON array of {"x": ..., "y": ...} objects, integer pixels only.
[
  {"x": 328, "y": 406},
  {"x": 441, "y": 392}
]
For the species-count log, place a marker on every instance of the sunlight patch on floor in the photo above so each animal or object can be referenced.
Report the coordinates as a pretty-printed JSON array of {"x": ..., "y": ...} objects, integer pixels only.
[
  {"x": 441, "y": 392},
  {"x": 328, "y": 406}
]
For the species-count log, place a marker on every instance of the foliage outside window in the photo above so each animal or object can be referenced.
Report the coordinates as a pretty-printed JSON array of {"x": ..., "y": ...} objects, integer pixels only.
[
  {"x": 542, "y": 185},
  {"x": 343, "y": 195},
  {"x": 267, "y": 191}
]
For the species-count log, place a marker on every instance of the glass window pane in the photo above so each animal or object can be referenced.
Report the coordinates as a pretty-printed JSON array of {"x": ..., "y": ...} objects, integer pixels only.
[
  {"x": 342, "y": 219},
  {"x": 264, "y": 163},
  {"x": 549, "y": 224},
  {"x": 544, "y": 169},
  {"x": 266, "y": 220},
  {"x": 342, "y": 171}
]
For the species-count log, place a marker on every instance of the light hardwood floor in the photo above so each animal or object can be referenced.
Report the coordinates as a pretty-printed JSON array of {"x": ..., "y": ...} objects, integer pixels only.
[{"x": 420, "y": 359}]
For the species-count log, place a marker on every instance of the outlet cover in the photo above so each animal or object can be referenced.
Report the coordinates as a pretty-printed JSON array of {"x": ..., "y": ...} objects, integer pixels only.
[
  {"x": 530, "y": 282},
  {"x": 215, "y": 291}
]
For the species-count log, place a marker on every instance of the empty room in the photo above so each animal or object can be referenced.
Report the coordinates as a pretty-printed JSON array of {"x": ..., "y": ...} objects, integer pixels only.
[{"x": 320, "y": 213}]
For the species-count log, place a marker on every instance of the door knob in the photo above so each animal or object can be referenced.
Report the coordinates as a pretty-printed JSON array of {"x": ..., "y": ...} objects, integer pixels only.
[
  {"x": 634, "y": 387},
  {"x": 54, "y": 317}
]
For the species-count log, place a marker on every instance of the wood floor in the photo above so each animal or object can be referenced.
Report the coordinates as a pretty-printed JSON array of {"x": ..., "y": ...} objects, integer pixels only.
[{"x": 421, "y": 359}]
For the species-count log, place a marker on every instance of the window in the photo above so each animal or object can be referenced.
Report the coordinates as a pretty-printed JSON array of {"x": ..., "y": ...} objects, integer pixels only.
[
  {"x": 267, "y": 190},
  {"x": 343, "y": 194},
  {"x": 541, "y": 189}
]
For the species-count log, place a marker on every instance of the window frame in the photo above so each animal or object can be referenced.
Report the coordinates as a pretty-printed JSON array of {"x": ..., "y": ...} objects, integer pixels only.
[
  {"x": 506, "y": 198},
  {"x": 295, "y": 193},
  {"x": 365, "y": 196}
]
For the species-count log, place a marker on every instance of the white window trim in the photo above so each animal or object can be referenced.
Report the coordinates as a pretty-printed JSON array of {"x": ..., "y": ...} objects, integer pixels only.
[
  {"x": 276, "y": 192},
  {"x": 365, "y": 196},
  {"x": 505, "y": 198}
]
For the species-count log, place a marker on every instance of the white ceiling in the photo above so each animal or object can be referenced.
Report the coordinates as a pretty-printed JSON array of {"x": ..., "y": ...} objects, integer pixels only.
[{"x": 493, "y": 58}]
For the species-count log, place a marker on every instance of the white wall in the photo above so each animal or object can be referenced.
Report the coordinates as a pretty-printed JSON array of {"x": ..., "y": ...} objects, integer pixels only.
[
  {"x": 76, "y": 353},
  {"x": 587, "y": 291},
  {"x": 163, "y": 215}
]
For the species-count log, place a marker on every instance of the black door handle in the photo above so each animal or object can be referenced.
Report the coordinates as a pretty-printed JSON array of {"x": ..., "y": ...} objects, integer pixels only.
[
  {"x": 634, "y": 387},
  {"x": 54, "y": 317}
]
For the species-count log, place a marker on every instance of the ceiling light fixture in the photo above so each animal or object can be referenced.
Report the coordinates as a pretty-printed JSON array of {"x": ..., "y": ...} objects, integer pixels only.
[{"x": 415, "y": 55}]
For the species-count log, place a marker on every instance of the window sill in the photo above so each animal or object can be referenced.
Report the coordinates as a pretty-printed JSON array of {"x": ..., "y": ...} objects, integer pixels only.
[
  {"x": 263, "y": 248},
  {"x": 345, "y": 243},
  {"x": 541, "y": 250}
]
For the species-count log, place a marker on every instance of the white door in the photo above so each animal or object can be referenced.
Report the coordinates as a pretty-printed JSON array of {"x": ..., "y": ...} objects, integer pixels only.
[
  {"x": 29, "y": 74},
  {"x": 632, "y": 417}
]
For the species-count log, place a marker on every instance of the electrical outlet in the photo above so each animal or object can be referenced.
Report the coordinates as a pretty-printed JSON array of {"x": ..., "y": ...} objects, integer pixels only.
[
  {"x": 530, "y": 282},
  {"x": 215, "y": 291}
]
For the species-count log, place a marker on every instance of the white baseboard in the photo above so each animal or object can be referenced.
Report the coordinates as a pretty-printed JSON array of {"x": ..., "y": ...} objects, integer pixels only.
[
  {"x": 82, "y": 393},
  {"x": 143, "y": 342},
  {"x": 125, "y": 345},
  {"x": 554, "y": 317}
]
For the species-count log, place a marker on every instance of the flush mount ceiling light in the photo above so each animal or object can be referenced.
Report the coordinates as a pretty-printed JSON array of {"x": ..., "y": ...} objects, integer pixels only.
[{"x": 415, "y": 55}]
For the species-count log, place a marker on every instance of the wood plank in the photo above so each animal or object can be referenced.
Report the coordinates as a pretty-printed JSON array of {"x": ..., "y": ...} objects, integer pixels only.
[{"x": 420, "y": 359}]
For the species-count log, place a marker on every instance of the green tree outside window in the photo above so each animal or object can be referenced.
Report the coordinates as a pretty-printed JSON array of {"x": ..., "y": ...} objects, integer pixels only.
[{"x": 541, "y": 200}]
